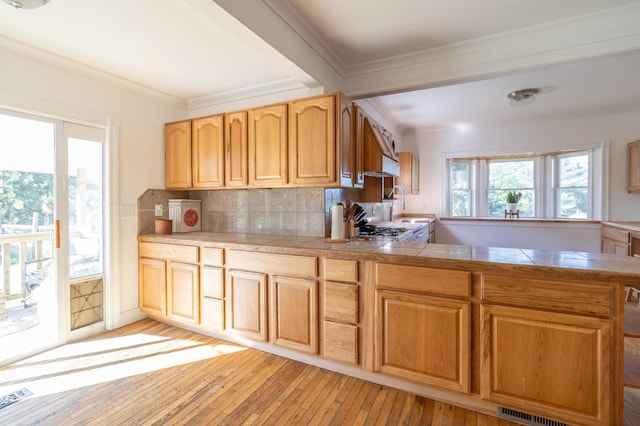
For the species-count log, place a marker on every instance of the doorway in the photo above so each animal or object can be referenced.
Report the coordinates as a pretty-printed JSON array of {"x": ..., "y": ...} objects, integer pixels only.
[{"x": 51, "y": 231}]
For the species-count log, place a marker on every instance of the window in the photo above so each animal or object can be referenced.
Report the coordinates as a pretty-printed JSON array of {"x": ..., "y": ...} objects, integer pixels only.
[
  {"x": 554, "y": 185},
  {"x": 572, "y": 188},
  {"x": 511, "y": 175},
  {"x": 461, "y": 188}
]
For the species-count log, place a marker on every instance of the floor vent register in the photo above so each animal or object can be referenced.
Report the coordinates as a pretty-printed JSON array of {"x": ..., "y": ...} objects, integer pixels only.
[
  {"x": 12, "y": 397},
  {"x": 526, "y": 418}
]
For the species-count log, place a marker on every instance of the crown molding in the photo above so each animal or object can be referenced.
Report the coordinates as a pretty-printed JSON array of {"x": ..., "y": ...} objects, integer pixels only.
[
  {"x": 609, "y": 31},
  {"x": 247, "y": 92}
]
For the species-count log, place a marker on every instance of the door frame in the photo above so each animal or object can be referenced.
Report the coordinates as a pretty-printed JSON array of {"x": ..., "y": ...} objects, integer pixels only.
[{"x": 111, "y": 126}]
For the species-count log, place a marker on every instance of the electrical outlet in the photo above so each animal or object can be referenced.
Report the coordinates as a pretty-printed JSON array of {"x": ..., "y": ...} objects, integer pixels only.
[{"x": 159, "y": 210}]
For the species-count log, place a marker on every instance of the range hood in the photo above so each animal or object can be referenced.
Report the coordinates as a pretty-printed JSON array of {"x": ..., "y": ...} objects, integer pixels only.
[{"x": 380, "y": 159}]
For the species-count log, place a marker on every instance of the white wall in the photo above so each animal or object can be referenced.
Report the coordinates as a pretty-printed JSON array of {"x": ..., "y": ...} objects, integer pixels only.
[
  {"x": 617, "y": 128},
  {"x": 53, "y": 89}
]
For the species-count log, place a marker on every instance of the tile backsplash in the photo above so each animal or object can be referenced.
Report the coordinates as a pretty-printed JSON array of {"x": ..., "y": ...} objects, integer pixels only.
[{"x": 282, "y": 211}]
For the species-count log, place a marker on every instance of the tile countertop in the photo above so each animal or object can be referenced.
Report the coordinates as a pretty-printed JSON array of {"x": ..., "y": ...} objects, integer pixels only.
[
  {"x": 631, "y": 226},
  {"x": 439, "y": 255}
]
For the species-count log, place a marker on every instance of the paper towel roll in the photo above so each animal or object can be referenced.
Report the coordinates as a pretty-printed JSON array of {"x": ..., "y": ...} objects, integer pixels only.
[{"x": 337, "y": 222}]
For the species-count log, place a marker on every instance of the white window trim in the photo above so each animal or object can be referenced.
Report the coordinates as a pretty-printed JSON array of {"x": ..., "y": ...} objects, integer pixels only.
[{"x": 545, "y": 208}]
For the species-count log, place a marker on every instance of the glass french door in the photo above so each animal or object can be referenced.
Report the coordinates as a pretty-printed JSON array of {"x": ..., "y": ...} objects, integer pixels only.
[{"x": 51, "y": 233}]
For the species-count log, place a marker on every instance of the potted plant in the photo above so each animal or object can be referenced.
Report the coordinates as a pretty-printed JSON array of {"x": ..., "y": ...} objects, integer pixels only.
[{"x": 513, "y": 198}]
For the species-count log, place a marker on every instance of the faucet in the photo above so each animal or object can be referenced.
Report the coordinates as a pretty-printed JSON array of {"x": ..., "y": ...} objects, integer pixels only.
[{"x": 404, "y": 206}]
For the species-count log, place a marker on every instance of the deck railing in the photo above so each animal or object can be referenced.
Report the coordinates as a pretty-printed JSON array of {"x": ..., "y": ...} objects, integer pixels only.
[{"x": 30, "y": 247}]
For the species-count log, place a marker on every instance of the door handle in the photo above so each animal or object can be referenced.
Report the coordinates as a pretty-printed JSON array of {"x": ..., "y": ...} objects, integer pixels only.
[{"x": 57, "y": 226}]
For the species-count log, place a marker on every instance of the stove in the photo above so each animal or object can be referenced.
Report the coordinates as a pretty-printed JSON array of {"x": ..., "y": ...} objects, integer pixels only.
[{"x": 386, "y": 231}]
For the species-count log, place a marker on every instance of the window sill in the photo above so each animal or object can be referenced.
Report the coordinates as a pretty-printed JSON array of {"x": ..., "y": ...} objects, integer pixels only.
[{"x": 521, "y": 219}]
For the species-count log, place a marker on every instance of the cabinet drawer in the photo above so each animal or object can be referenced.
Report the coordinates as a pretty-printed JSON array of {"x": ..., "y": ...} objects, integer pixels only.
[
  {"x": 552, "y": 295},
  {"x": 212, "y": 256},
  {"x": 176, "y": 253},
  {"x": 341, "y": 270},
  {"x": 276, "y": 264},
  {"x": 341, "y": 342},
  {"x": 428, "y": 280},
  {"x": 212, "y": 282},
  {"x": 615, "y": 234},
  {"x": 341, "y": 302},
  {"x": 212, "y": 314}
]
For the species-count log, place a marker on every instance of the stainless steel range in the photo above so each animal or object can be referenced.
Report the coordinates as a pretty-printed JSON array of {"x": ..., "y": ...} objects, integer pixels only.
[{"x": 391, "y": 231}]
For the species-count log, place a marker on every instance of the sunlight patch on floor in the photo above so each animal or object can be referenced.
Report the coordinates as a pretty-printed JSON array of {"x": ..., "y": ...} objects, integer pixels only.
[{"x": 83, "y": 364}]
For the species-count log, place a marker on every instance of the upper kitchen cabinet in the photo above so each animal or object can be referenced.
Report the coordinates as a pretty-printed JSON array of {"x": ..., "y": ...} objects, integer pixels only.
[
  {"x": 312, "y": 141},
  {"x": 351, "y": 152},
  {"x": 207, "y": 152},
  {"x": 304, "y": 142},
  {"x": 268, "y": 146},
  {"x": 194, "y": 153},
  {"x": 634, "y": 166},
  {"x": 409, "y": 178},
  {"x": 321, "y": 149},
  {"x": 177, "y": 139},
  {"x": 237, "y": 157}
]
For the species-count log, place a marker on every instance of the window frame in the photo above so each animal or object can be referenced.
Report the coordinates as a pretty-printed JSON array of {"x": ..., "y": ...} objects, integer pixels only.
[{"x": 545, "y": 180}]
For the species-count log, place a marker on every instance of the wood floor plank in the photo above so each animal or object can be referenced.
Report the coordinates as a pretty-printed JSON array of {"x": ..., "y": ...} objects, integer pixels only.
[
  {"x": 151, "y": 373},
  {"x": 428, "y": 412},
  {"x": 350, "y": 396}
]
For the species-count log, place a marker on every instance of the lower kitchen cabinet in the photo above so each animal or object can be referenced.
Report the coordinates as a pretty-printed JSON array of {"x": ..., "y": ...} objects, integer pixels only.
[
  {"x": 247, "y": 304},
  {"x": 183, "y": 296},
  {"x": 423, "y": 325},
  {"x": 615, "y": 241},
  {"x": 550, "y": 363},
  {"x": 424, "y": 338},
  {"x": 294, "y": 313},
  {"x": 212, "y": 298},
  {"x": 341, "y": 311},
  {"x": 287, "y": 284},
  {"x": 152, "y": 284},
  {"x": 169, "y": 281},
  {"x": 536, "y": 342},
  {"x": 212, "y": 291}
]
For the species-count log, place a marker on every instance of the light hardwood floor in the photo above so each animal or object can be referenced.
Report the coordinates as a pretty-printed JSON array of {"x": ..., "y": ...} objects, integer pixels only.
[{"x": 150, "y": 373}]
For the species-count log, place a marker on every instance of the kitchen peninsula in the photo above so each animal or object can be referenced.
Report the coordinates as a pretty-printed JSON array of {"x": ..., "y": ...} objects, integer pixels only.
[{"x": 525, "y": 332}]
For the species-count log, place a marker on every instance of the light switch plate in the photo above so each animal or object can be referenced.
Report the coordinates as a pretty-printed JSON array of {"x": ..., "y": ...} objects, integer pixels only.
[
  {"x": 159, "y": 210},
  {"x": 127, "y": 210}
]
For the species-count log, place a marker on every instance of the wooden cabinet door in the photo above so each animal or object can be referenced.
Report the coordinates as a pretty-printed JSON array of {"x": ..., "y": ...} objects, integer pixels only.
[
  {"x": 208, "y": 152},
  {"x": 183, "y": 295},
  {"x": 312, "y": 141},
  {"x": 351, "y": 167},
  {"x": 615, "y": 241},
  {"x": 358, "y": 141},
  {"x": 294, "y": 313},
  {"x": 424, "y": 338},
  {"x": 409, "y": 172},
  {"x": 616, "y": 247},
  {"x": 247, "y": 304},
  {"x": 152, "y": 286},
  {"x": 237, "y": 145},
  {"x": 551, "y": 364},
  {"x": 177, "y": 151},
  {"x": 634, "y": 166},
  {"x": 415, "y": 175},
  {"x": 268, "y": 146}
]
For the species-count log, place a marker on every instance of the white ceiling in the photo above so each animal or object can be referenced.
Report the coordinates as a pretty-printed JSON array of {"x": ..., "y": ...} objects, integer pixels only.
[{"x": 468, "y": 54}]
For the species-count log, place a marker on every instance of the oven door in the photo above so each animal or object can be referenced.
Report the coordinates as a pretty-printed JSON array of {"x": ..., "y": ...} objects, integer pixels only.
[{"x": 420, "y": 235}]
